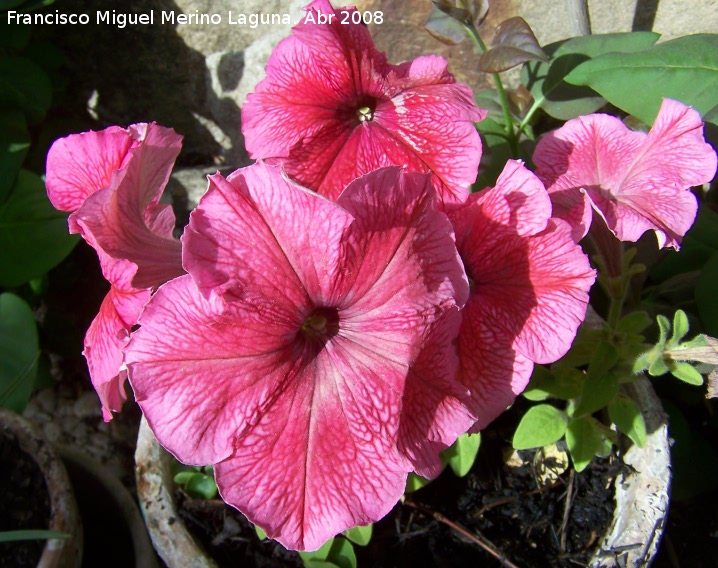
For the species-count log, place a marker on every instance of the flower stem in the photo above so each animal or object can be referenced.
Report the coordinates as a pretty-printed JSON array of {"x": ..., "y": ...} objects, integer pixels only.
[{"x": 503, "y": 97}]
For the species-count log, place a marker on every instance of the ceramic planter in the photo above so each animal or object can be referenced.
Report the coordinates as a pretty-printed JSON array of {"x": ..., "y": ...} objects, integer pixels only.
[
  {"x": 58, "y": 553},
  {"x": 631, "y": 540}
]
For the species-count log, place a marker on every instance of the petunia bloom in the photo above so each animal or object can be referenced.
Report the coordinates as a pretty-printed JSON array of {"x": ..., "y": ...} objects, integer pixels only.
[
  {"x": 529, "y": 288},
  {"x": 331, "y": 109},
  {"x": 111, "y": 182},
  {"x": 635, "y": 181},
  {"x": 282, "y": 357}
]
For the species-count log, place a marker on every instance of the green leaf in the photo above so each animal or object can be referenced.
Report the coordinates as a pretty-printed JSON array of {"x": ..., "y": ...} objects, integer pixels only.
[
  {"x": 415, "y": 482},
  {"x": 680, "y": 329},
  {"x": 546, "y": 82},
  {"x": 202, "y": 486},
  {"x": 24, "y": 86},
  {"x": 14, "y": 144},
  {"x": 560, "y": 382},
  {"x": 342, "y": 554},
  {"x": 540, "y": 426},
  {"x": 706, "y": 296},
  {"x": 359, "y": 535},
  {"x": 634, "y": 323},
  {"x": 685, "y": 372},
  {"x": 12, "y": 536},
  {"x": 183, "y": 477},
  {"x": 336, "y": 552},
  {"x": 598, "y": 392},
  {"x": 13, "y": 35},
  {"x": 584, "y": 441},
  {"x": 626, "y": 415},
  {"x": 321, "y": 554},
  {"x": 583, "y": 348},
  {"x": 684, "y": 69},
  {"x": 33, "y": 234},
  {"x": 461, "y": 454},
  {"x": 260, "y": 533},
  {"x": 19, "y": 352}
]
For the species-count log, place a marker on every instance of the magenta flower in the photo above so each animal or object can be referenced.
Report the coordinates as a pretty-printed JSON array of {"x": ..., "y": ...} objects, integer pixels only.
[
  {"x": 436, "y": 408},
  {"x": 282, "y": 357},
  {"x": 331, "y": 109},
  {"x": 111, "y": 182},
  {"x": 529, "y": 289},
  {"x": 635, "y": 181}
]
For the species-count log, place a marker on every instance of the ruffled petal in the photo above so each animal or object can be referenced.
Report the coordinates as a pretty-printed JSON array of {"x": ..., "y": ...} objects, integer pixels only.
[
  {"x": 530, "y": 288},
  {"x": 331, "y": 109},
  {"x": 81, "y": 164},
  {"x": 106, "y": 338},
  {"x": 294, "y": 390},
  {"x": 126, "y": 221},
  {"x": 435, "y": 407},
  {"x": 636, "y": 182},
  {"x": 289, "y": 257}
]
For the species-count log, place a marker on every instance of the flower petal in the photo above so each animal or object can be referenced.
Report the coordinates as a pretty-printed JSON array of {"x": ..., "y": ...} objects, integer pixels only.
[
  {"x": 332, "y": 109},
  {"x": 325, "y": 459},
  {"x": 637, "y": 182},
  {"x": 435, "y": 407},
  {"x": 289, "y": 257},
  {"x": 530, "y": 288},
  {"x": 105, "y": 339},
  {"x": 81, "y": 164},
  {"x": 126, "y": 220}
]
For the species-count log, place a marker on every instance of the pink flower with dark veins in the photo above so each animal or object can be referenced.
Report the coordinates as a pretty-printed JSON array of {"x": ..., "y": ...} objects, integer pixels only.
[
  {"x": 529, "y": 288},
  {"x": 634, "y": 181},
  {"x": 282, "y": 357},
  {"x": 111, "y": 182},
  {"x": 331, "y": 109}
]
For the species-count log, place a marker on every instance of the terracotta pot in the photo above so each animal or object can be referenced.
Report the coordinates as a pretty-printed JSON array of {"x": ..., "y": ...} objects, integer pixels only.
[
  {"x": 58, "y": 553},
  {"x": 631, "y": 541}
]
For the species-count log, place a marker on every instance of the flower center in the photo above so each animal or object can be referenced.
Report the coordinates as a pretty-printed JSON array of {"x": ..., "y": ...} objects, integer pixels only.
[
  {"x": 365, "y": 114},
  {"x": 321, "y": 325}
]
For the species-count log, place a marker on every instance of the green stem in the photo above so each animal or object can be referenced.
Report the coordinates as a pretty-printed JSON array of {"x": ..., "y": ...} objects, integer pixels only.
[{"x": 503, "y": 97}]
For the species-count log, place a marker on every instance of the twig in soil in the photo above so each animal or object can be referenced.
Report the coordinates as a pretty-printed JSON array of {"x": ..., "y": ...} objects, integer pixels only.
[
  {"x": 477, "y": 538},
  {"x": 507, "y": 500},
  {"x": 566, "y": 510}
]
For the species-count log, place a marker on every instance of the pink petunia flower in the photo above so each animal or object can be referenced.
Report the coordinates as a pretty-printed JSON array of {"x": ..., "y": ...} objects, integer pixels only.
[
  {"x": 282, "y": 357},
  {"x": 111, "y": 181},
  {"x": 331, "y": 109},
  {"x": 529, "y": 288},
  {"x": 635, "y": 181}
]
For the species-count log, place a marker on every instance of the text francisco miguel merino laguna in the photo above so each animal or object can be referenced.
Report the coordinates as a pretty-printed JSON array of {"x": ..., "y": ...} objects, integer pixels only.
[{"x": 120, "y": 20}]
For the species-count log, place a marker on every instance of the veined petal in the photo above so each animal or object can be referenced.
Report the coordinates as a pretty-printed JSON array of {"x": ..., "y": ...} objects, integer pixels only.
[
  {"x": 636, "y": 182},
  {"x": 325, "y": 458},
  {"x": 81, "y": 164},
  {"x": 204, "y": 371},
  {"x": 530, "y": 288},
  {"x": 435, "y": 407},
  {"x": 491, "y": 369},
  {"x": 246, "y": 240},
  {"x": 106, "y": 338},
  {"x": 127, "y": 221},
  {"x": 332, "y": 109}
]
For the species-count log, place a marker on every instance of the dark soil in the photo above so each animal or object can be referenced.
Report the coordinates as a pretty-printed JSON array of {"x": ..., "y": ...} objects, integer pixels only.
[
  {"x": 24, "y": 502},
  {"x": 505, "y": 508}
]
